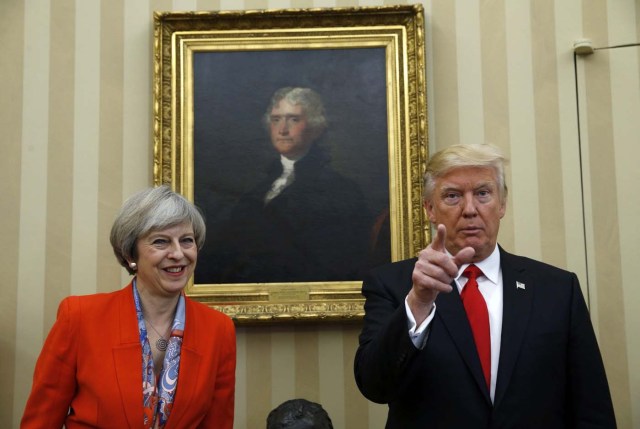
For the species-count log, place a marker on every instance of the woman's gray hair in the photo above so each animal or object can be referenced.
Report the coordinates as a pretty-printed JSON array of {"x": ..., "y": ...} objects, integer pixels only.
[
  {"x": 152, "y": 209},
  {"x": 310, "y": 101},
  {"x": 472, "y": 155}
]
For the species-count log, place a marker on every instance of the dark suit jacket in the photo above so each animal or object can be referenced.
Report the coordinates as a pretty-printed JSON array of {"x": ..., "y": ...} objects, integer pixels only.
[
  {"x": 92, "y": 362},
  {"x": 550, "y": 372},
  {"x": 316, "y": 229}
]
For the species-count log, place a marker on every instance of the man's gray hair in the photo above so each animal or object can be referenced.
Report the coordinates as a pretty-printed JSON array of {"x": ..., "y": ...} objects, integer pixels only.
[
  {"x": 310, "y": 101},
  {"x": 457, "y": 156},
  {"x": 152, "y": 209}
]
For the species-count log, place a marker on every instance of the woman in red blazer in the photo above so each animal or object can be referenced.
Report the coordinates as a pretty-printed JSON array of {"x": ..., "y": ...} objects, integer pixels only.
[{"x": 145, "y": 356}]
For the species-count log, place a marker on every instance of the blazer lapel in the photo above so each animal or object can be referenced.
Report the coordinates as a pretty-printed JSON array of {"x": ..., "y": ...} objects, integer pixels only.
[
  {"x": 451, "y": 311},
  {"x": 187, "y": 382},
  {"x": 127, "y": 360},
  {"x": 518, "y": 289}
]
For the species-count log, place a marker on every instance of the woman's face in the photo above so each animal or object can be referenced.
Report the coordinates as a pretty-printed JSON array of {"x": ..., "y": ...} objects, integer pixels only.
[{"x": 166, "y": 260}]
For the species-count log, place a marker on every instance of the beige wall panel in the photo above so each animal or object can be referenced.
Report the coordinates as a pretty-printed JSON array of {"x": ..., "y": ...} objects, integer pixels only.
[
  {"x": 494, "y": 73},
  {"x": 547, "y": 132},
  {"x": 259, "y": 4},
  {"x": 496, "y": 96},
  {"x": 524, "y": 169},
  {"x": 356, "y": 406},
  {"x": 208, "y": 5},
  {"x": 625, "y": 93},
  {"x": 185, "y": 5},
  {"x": 568, "y": 27},
  {"x": 33, "y": 199},
  {"x": 259, "y": 380},
  {"x": 377, "y": 415},
  {"x": 231, "y": 5},
  {"x": 160, "y": 5},
  {"x": 11, "y": 68},
  {"x": 60, "y": 162},
  {"x": 344, "y": 3},
  {"x": 371, "y": 2},
  {"x": 278, "y": 4},
  {"x": 428, "y": 17},
  {"x": 324, "y": 3},
  {"x": 626, "y": 129},
  {"x": 241, "y": 408},
  {"x": 585, "y": 161},
  {"x": 605, "y": 256},
  {"x": 301, "y": 4},
  {"x": 111, "y": 132},
  {"x": 283, "y": 363},
  {"x": 332, "y": 373},
  {"x": 469, "y": 75},
  {"x": 137, "y": 164},
  {"x": 307, "y": 367},
  {"x": 360, "y": 413},
  {"x": 444, "y": 99},
  {"x": 84, "y": 234}
]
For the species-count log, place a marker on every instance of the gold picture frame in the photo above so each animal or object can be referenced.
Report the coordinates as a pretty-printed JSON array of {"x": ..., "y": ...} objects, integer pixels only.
[{"x": 203, "y": 61}]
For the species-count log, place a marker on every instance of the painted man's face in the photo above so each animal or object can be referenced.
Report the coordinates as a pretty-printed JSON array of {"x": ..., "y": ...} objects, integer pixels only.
[{"x": 291, "y": 134}]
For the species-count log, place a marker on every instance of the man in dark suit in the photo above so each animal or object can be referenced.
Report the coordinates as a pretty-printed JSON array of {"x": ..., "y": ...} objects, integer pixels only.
[
  {"x": 304, "y": 221},
  {"x": 516, "y": 349}
]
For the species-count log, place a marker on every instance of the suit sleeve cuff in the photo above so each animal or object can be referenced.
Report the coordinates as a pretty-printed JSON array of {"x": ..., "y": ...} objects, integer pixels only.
[{"x": 418, "y": 334}]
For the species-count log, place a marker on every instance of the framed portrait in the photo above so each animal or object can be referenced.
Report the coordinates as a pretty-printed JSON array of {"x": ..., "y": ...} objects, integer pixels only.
[{"x": 301, "y": 134}]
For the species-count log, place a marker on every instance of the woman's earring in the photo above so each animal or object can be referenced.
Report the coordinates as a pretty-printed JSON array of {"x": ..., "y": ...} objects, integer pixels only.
[{"x": 133, "y": 266}]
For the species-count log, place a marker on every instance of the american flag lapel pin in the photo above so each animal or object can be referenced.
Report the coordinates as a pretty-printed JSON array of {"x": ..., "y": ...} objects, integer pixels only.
[{"x": 520, "y": 285}]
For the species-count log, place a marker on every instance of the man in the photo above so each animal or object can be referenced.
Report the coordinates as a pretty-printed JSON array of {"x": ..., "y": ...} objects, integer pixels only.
[
  {"x": 521, "y": 353},
  {"x": 304, "y": 221}
]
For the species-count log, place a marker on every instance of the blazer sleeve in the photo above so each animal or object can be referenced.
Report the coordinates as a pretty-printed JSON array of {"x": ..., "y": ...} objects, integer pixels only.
[
  {"x": 221, "y": 411},
  {"x": 591, "y": 405},
  {"x": 383, "y": 359},
  {"x": 54, "y": 381}
]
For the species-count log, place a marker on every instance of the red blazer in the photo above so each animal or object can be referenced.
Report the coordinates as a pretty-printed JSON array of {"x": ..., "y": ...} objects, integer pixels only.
[{"x": 89, "y": 373}]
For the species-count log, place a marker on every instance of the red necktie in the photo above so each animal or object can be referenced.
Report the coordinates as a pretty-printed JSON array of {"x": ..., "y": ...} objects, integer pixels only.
[{"x": 478, "y": 316}]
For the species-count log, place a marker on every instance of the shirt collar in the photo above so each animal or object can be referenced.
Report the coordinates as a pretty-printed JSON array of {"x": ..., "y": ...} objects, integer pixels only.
[
  {"x": 490, "y": 266},
  {"x": 287, "y": 164}
]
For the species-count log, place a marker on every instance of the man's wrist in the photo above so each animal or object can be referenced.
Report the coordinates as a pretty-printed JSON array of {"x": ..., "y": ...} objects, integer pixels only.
[{"x": 419, "y": 308}]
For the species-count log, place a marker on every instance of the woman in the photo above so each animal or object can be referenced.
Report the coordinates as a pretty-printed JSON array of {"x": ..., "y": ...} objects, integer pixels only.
[{"x": 145, "y": 356}]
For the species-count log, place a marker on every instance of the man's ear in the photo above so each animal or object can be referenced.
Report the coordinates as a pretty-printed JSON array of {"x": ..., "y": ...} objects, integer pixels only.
[
  {"x": 428, "y": 206},
  {"x": 503, "y": 209}
]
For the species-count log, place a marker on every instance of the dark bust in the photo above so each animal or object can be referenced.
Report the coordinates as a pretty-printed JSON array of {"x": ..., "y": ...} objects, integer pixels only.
[{"x": 299, "y": 414}]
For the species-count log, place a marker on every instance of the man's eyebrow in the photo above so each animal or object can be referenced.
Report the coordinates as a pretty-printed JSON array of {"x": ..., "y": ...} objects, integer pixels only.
[
  {"x": 448, "y": 186},
  {"x": 487, "y": 184}
]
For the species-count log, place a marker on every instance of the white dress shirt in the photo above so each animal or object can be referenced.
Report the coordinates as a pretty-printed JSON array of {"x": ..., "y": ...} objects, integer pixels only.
[{"x": 490, "y": 286}]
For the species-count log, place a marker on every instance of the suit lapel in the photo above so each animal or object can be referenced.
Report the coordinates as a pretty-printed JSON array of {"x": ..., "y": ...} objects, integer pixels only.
[
  {"x": 451, "y": 311},
  {"x": 127, "y": 357},
  {"x": 518, "y": 289}
]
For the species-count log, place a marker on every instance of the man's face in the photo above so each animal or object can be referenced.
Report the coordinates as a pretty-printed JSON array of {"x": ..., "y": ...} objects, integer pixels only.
[
  {"x": 291, "y": 134},
  {"x": 467, "y": 201}
]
